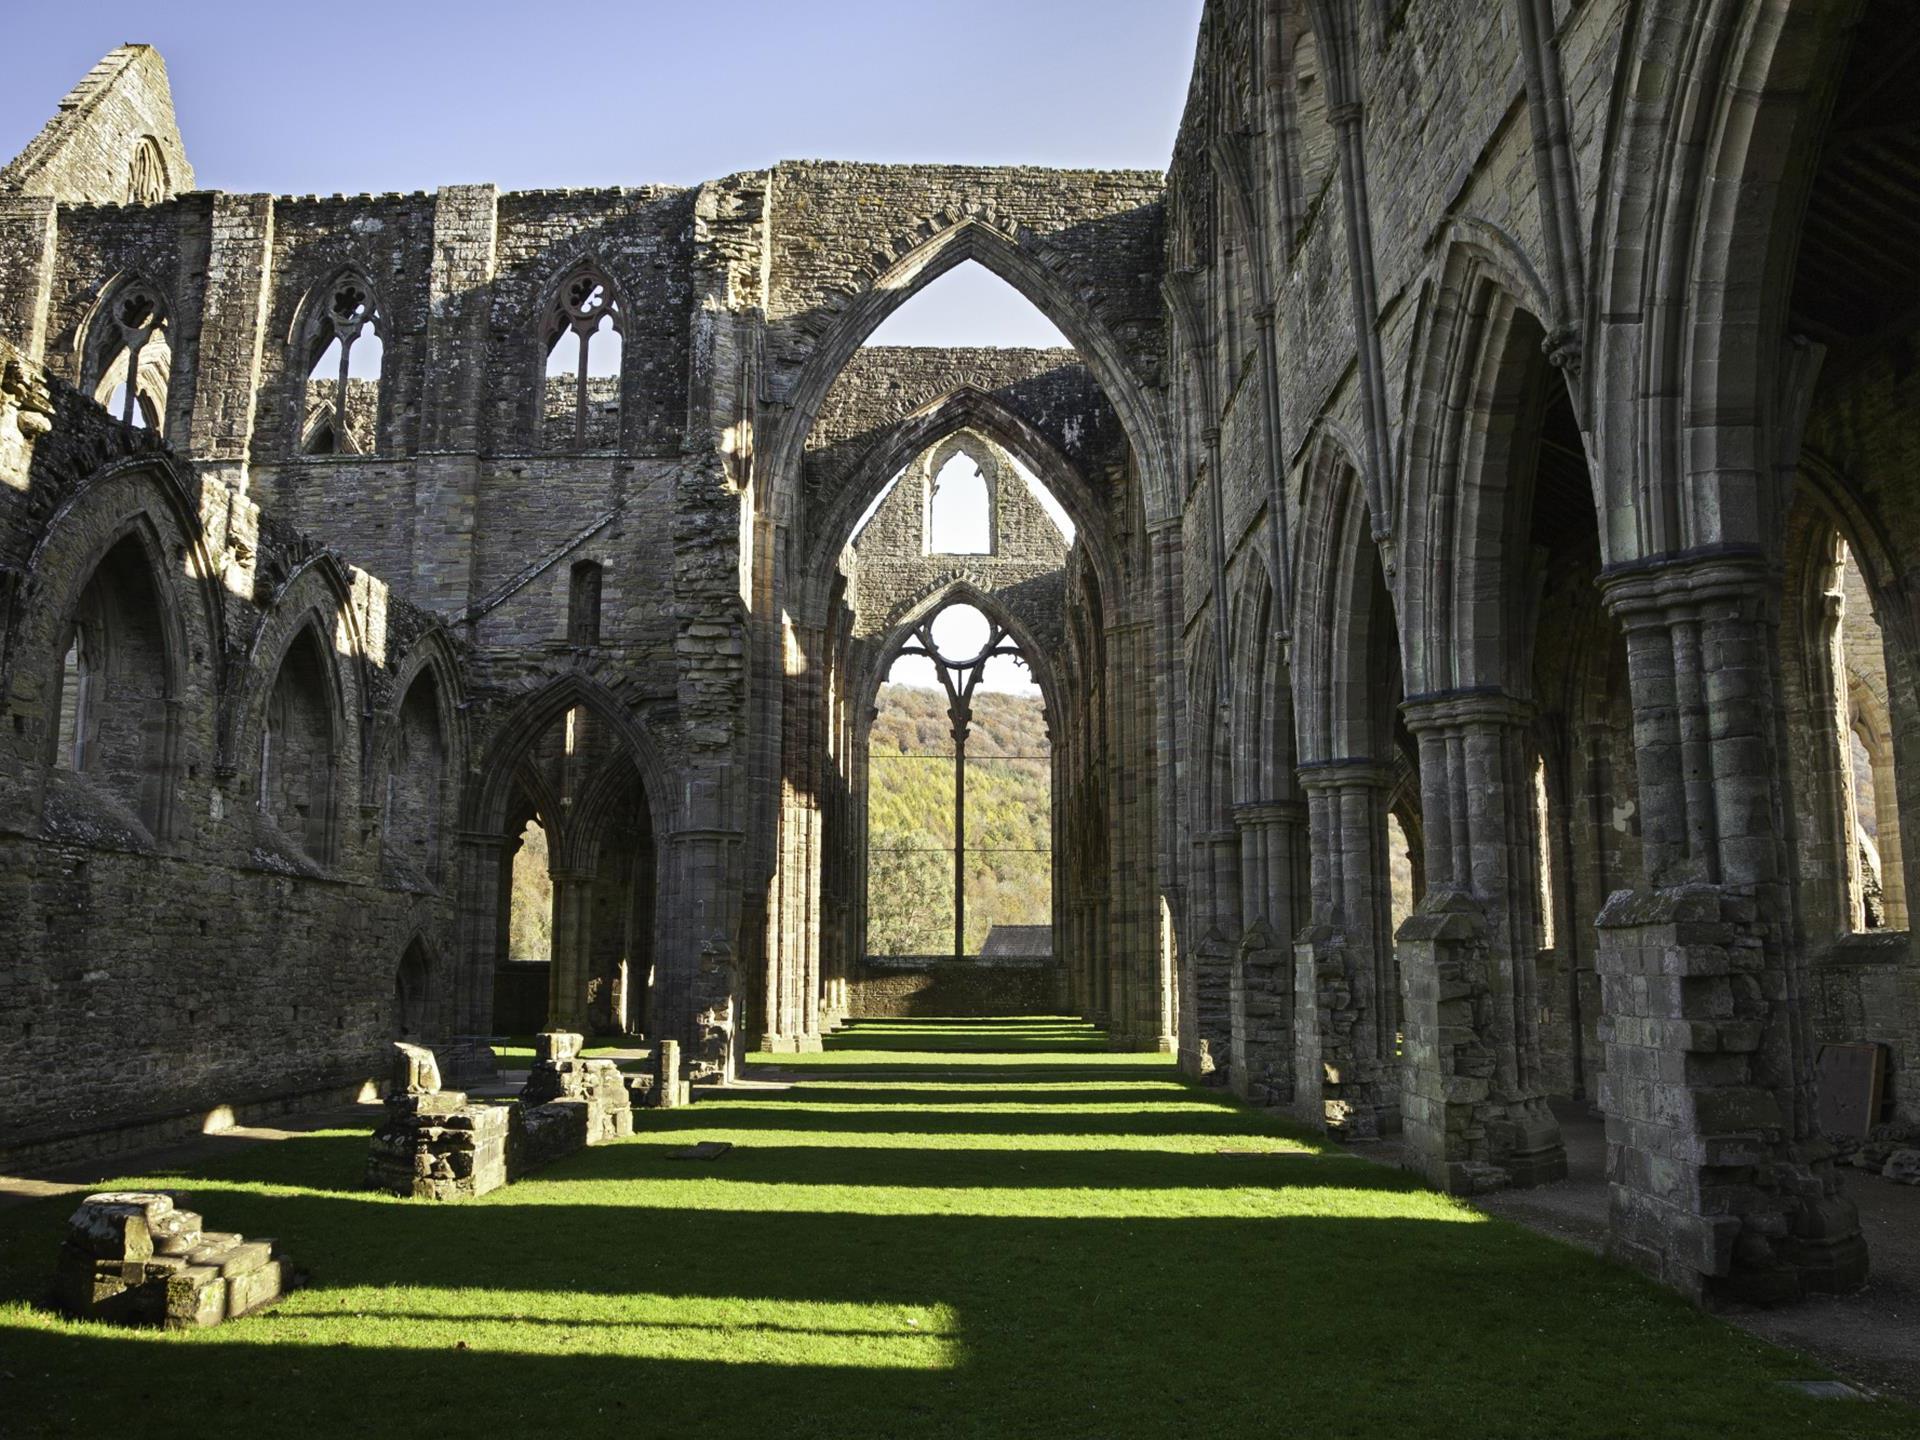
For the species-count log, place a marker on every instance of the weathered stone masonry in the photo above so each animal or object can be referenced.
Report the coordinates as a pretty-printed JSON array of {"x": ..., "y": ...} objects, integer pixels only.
[{"x": 1484, "y": 674}]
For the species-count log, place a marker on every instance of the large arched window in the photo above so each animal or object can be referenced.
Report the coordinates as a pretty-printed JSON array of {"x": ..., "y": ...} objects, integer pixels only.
[
  {"x": 128, "y": 355},
  {"x": 959, "y": 783},
  {"x": 342, "y": 352},
  {"x": 114, "y": 686},
  {"x": 297, "y": 749},
  {"x": 580, "y": 336}
]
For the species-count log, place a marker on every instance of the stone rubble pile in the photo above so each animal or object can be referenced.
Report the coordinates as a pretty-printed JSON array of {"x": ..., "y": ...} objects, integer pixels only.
[
  {"x": 132, "y": 1257},
  {"x": 1891, "y": 1151},
  {"x": 438, "y": 1145}
]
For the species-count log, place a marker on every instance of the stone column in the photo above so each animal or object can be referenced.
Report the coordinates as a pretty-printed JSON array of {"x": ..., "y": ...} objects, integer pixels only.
[
  {"x": 1344, "y": 989},
  {"x": 1261, "y": 997},
  {"x": 1474, "y": 1108},
  {"x": 1720, "y": 1183},
  {"x": 571, "y": 973},
  {"x": 793, "y": 941},
  {"x": 479, "y": 925}
]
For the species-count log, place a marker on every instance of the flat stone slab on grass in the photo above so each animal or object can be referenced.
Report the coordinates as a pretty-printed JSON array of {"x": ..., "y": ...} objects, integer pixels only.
[{"x": 705, "y": 1150}]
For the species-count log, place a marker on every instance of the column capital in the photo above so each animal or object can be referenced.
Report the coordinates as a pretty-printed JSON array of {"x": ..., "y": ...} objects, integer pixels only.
[
  {"x": 1682, "y": 585},
  {"x": 1348, "y": 773},
  {"x": 1461, "y": 709},
  {"x": 1270, "y": 812}
]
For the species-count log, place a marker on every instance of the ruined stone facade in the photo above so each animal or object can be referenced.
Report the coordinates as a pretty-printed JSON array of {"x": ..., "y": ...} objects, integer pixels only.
[{"x": 1485, "y": 445}]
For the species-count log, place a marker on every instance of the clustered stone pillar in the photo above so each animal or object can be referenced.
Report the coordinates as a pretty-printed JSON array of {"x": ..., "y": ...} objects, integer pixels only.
[
  {"x": 1273, "y": 859},
  {"x": 1474, "y": 1103},
  {"x": 1344, "y": 991},
  {"x": 1721, "y": 1185}
]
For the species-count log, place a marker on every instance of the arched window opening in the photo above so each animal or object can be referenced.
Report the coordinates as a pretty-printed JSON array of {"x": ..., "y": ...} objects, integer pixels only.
[
  {"x": 344, "y": 351},
  {"x": 583, "y": 604},
  {"x": 960, "y": 518},
  {"x": 129, "y": 357},
  {"x": 296, "y": 750},
  {"x": 530, "y": 902},
  {"x": 416, "y": 784},
  {"x": 1543, "y": 849},
  {"x": 960, "y": 797},
  {"x": 969, "y": 305},
  {"x": 1877, "y": 882},
  {"x": 147, "y": 182},
  {"x": 114, "y": 686},
  {"x": 582, "y": 342},
  {"x": 412, "y": 991}
]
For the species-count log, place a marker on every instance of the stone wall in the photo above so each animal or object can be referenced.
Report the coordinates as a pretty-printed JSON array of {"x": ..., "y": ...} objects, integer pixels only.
[
  {"x": 179, "y": 957},
  {"x": 912, "y": 986}
]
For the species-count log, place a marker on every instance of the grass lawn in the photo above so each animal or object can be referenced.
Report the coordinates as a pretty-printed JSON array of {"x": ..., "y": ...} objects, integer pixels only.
[{"x": 963, "y": 1228}]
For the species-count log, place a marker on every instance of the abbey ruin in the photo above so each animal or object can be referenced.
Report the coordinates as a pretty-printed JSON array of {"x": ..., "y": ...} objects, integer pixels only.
[{"x": 1481, "y": 665}]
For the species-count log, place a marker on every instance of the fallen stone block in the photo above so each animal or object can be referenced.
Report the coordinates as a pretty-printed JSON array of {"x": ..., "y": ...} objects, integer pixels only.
[{"x": 206, "y": 1276}]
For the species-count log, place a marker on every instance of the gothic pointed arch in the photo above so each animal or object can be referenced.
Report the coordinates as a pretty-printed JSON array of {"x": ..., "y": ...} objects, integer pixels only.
[{"x": 1024, "y": 262}]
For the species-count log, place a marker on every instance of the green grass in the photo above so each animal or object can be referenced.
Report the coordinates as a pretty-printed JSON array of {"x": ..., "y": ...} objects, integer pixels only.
[{"x": 946, "y": 1229}]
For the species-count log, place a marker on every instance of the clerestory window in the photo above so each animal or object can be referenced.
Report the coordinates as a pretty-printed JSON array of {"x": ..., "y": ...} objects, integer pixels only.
[
  {"x": 343, "y": 355},
  {"x": 580, "y": 401}
]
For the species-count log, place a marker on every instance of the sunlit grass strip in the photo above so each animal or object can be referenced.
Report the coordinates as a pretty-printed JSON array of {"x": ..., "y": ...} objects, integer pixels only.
[{"x": 725, "y": 1330}]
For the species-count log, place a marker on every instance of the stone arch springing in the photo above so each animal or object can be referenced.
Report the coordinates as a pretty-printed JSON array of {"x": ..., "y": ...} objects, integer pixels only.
[{"x": 1712, "y": 156}]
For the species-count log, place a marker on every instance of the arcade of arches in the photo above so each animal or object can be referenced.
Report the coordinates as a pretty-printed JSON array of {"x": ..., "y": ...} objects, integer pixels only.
[{"x": 1435, "y": 651}]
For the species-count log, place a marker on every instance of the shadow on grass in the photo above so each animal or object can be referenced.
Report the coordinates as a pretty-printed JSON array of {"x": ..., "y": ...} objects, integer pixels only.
[{"x": 1309, "y": 1294}]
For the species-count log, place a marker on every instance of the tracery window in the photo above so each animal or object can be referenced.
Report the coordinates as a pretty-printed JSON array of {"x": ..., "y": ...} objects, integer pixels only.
[
  {"x": 580, "y": 399},
  {"x": 343, "y": 354},
  {"x": 129, "y": 357},
  {"x": 959, "y": 784}
]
